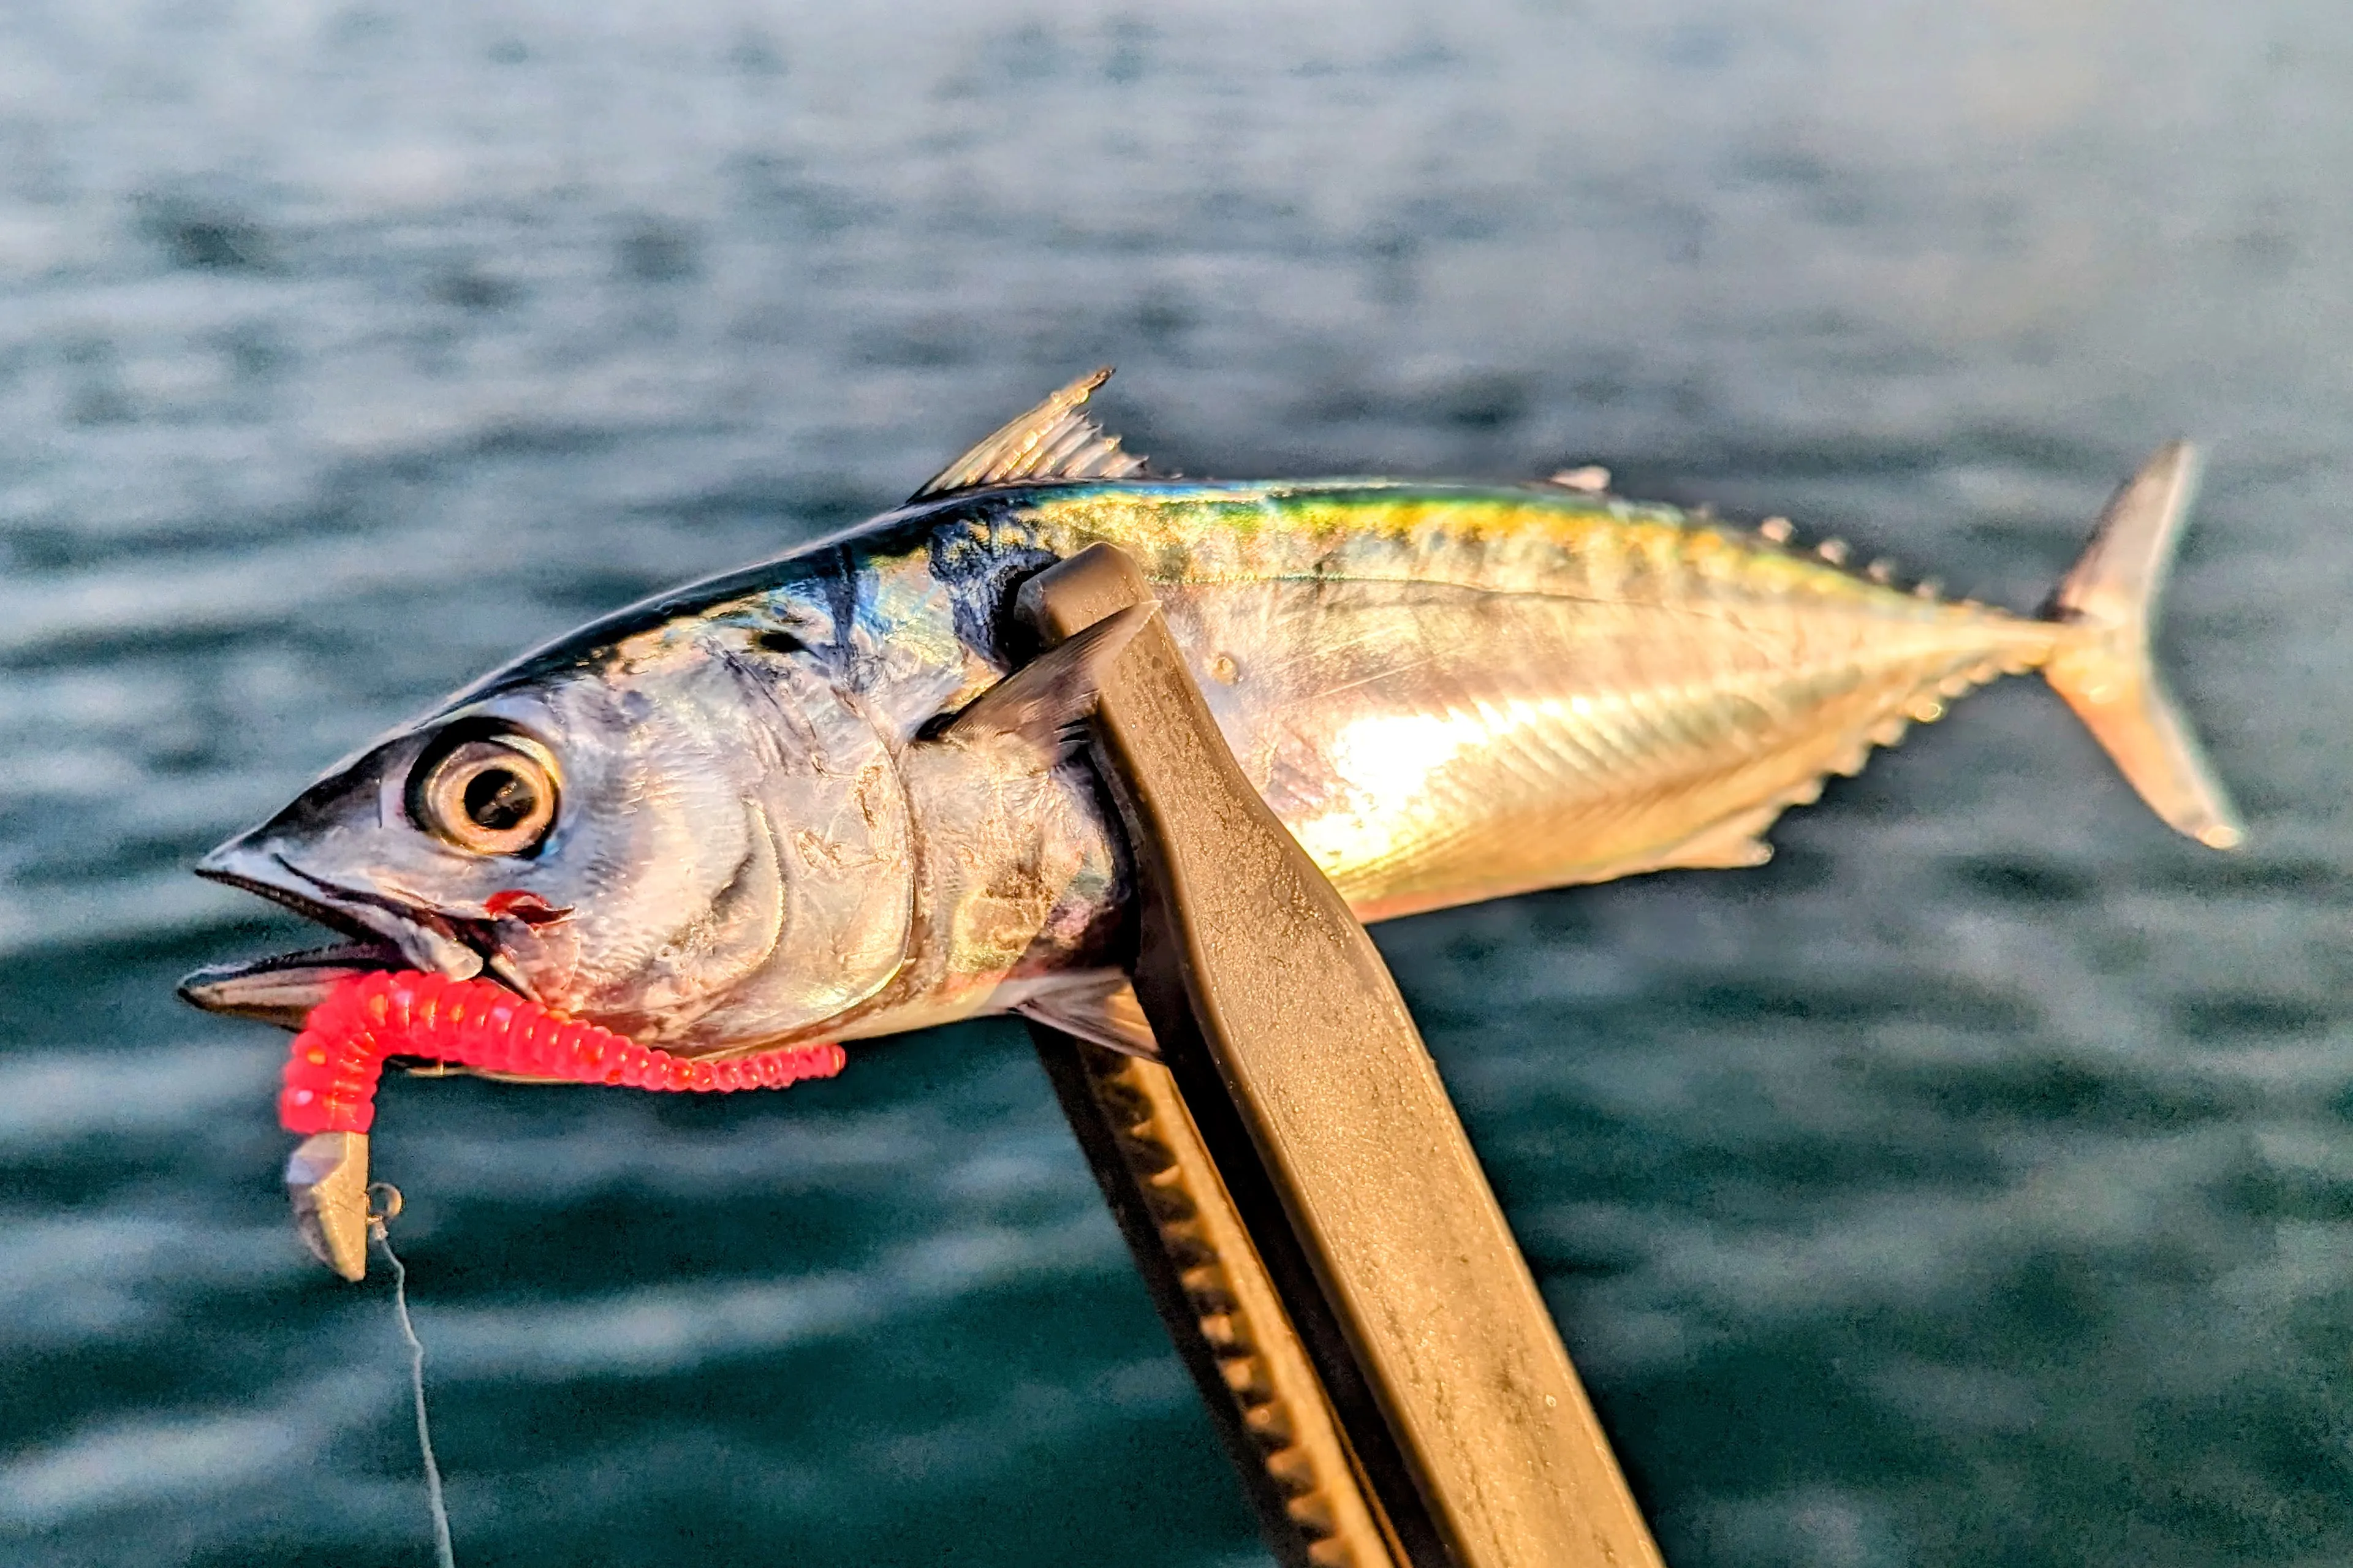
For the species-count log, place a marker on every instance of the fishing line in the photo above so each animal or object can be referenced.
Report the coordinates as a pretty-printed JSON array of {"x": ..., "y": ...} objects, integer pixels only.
[{"x": 443, "y": 1554}]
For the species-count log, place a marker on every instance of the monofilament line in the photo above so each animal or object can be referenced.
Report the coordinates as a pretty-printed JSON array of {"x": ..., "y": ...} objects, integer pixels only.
[{"x": 443, "y": 1554}]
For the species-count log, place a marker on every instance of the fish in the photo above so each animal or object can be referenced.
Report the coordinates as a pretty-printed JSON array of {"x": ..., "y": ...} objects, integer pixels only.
[{"x": 844, "y": 794}]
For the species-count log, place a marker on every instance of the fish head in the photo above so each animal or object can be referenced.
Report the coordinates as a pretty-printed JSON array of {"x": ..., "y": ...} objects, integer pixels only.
[{"x": 693, "y": 834}]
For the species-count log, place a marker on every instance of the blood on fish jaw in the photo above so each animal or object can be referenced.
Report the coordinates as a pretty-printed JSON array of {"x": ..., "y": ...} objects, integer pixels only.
[{"x": 521, "y": 903}]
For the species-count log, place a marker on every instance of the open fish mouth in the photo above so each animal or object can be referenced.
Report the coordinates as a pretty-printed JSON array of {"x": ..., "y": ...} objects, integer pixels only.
[
  {"x": 327, "y": 1177},
  {"x": 282, "y": 988}
]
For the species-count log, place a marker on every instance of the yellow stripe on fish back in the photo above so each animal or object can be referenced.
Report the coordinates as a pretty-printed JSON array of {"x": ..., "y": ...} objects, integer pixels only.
[
  {"x": 1692, "y": 683},
  {"x": 1499, "y": 541}
]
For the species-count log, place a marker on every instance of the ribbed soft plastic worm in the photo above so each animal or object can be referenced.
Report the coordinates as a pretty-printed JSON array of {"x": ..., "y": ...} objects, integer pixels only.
[{"x": 331, "y": 1076}]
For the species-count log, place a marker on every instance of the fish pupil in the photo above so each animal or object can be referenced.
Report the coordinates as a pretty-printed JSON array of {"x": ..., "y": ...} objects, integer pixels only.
[{"x": 499, "y": 798}]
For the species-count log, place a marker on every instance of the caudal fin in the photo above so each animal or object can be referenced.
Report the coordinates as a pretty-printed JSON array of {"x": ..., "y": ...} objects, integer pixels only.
[{"x": 2103, "y": 669}]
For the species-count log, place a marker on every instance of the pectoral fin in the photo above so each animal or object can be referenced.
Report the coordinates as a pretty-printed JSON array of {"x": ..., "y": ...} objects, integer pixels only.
[
  {"x": 1107, "y": 1014},
  {"x": 1043, "y": 700}
]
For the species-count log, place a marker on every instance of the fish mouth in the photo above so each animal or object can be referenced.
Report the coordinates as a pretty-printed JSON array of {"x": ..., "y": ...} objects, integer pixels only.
[
  {"x": 327, "y": 1178},
  {"x": 282, "y": 988}
]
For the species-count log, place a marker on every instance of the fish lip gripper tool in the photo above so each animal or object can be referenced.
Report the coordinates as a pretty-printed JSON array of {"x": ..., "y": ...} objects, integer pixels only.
[{"x": 1295, "y": 1186}]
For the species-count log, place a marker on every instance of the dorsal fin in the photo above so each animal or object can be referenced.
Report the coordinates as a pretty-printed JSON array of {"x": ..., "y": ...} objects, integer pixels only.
[{"x": 1052, "y": 441}]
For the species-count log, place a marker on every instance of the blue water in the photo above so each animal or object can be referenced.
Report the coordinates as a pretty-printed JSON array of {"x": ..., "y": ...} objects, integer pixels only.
[{"x": 1973, "y": 1184}]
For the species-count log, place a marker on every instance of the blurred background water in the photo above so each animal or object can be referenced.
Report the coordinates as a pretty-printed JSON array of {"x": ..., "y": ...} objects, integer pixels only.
[{"x": 1973, "y": 1184}]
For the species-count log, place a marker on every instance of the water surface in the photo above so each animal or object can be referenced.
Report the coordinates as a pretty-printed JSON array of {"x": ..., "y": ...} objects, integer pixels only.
[{"x": 1973, "y": 1184}]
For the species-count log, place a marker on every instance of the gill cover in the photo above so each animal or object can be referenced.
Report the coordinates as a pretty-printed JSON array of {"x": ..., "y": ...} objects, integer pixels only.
[
  {"x": 844, "y": 843},
  {"x": 743, "y": 865}
]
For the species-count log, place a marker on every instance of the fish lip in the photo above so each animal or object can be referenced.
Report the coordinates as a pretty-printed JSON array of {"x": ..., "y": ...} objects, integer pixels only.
[
  {"x": 281, "y": 987},
  {"x": 215, "y": 867}
]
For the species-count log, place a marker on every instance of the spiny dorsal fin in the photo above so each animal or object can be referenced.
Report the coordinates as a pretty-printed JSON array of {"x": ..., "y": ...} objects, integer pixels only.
[{"x": 1052, "y": 441}]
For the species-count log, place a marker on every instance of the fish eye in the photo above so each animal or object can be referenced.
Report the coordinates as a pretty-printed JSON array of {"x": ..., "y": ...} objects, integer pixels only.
[{"x": 488, "y": 795}]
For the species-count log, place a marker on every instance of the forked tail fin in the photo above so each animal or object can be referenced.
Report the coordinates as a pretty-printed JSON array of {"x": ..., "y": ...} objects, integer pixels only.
[{"x": 2103, "y": 669}]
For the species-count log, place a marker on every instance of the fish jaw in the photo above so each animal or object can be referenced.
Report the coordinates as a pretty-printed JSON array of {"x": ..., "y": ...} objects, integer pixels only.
[
  {"x": 281, "y": 988},
  {"x": 424, "y": 939}
]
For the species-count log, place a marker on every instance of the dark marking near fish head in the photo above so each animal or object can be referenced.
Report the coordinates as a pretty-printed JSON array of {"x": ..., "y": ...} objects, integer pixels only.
[
  {"x": 840, "y": 586},
  {"x": 777, "y": 641},
  {"x": 981, "y": 573}
]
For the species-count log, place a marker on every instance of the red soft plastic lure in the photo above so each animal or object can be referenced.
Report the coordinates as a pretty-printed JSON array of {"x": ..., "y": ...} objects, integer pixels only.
[{"x": 331, "y": 1075}]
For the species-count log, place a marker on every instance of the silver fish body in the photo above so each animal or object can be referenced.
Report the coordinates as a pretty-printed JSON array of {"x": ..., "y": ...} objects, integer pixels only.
[{"x": 804, "y": 799}]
